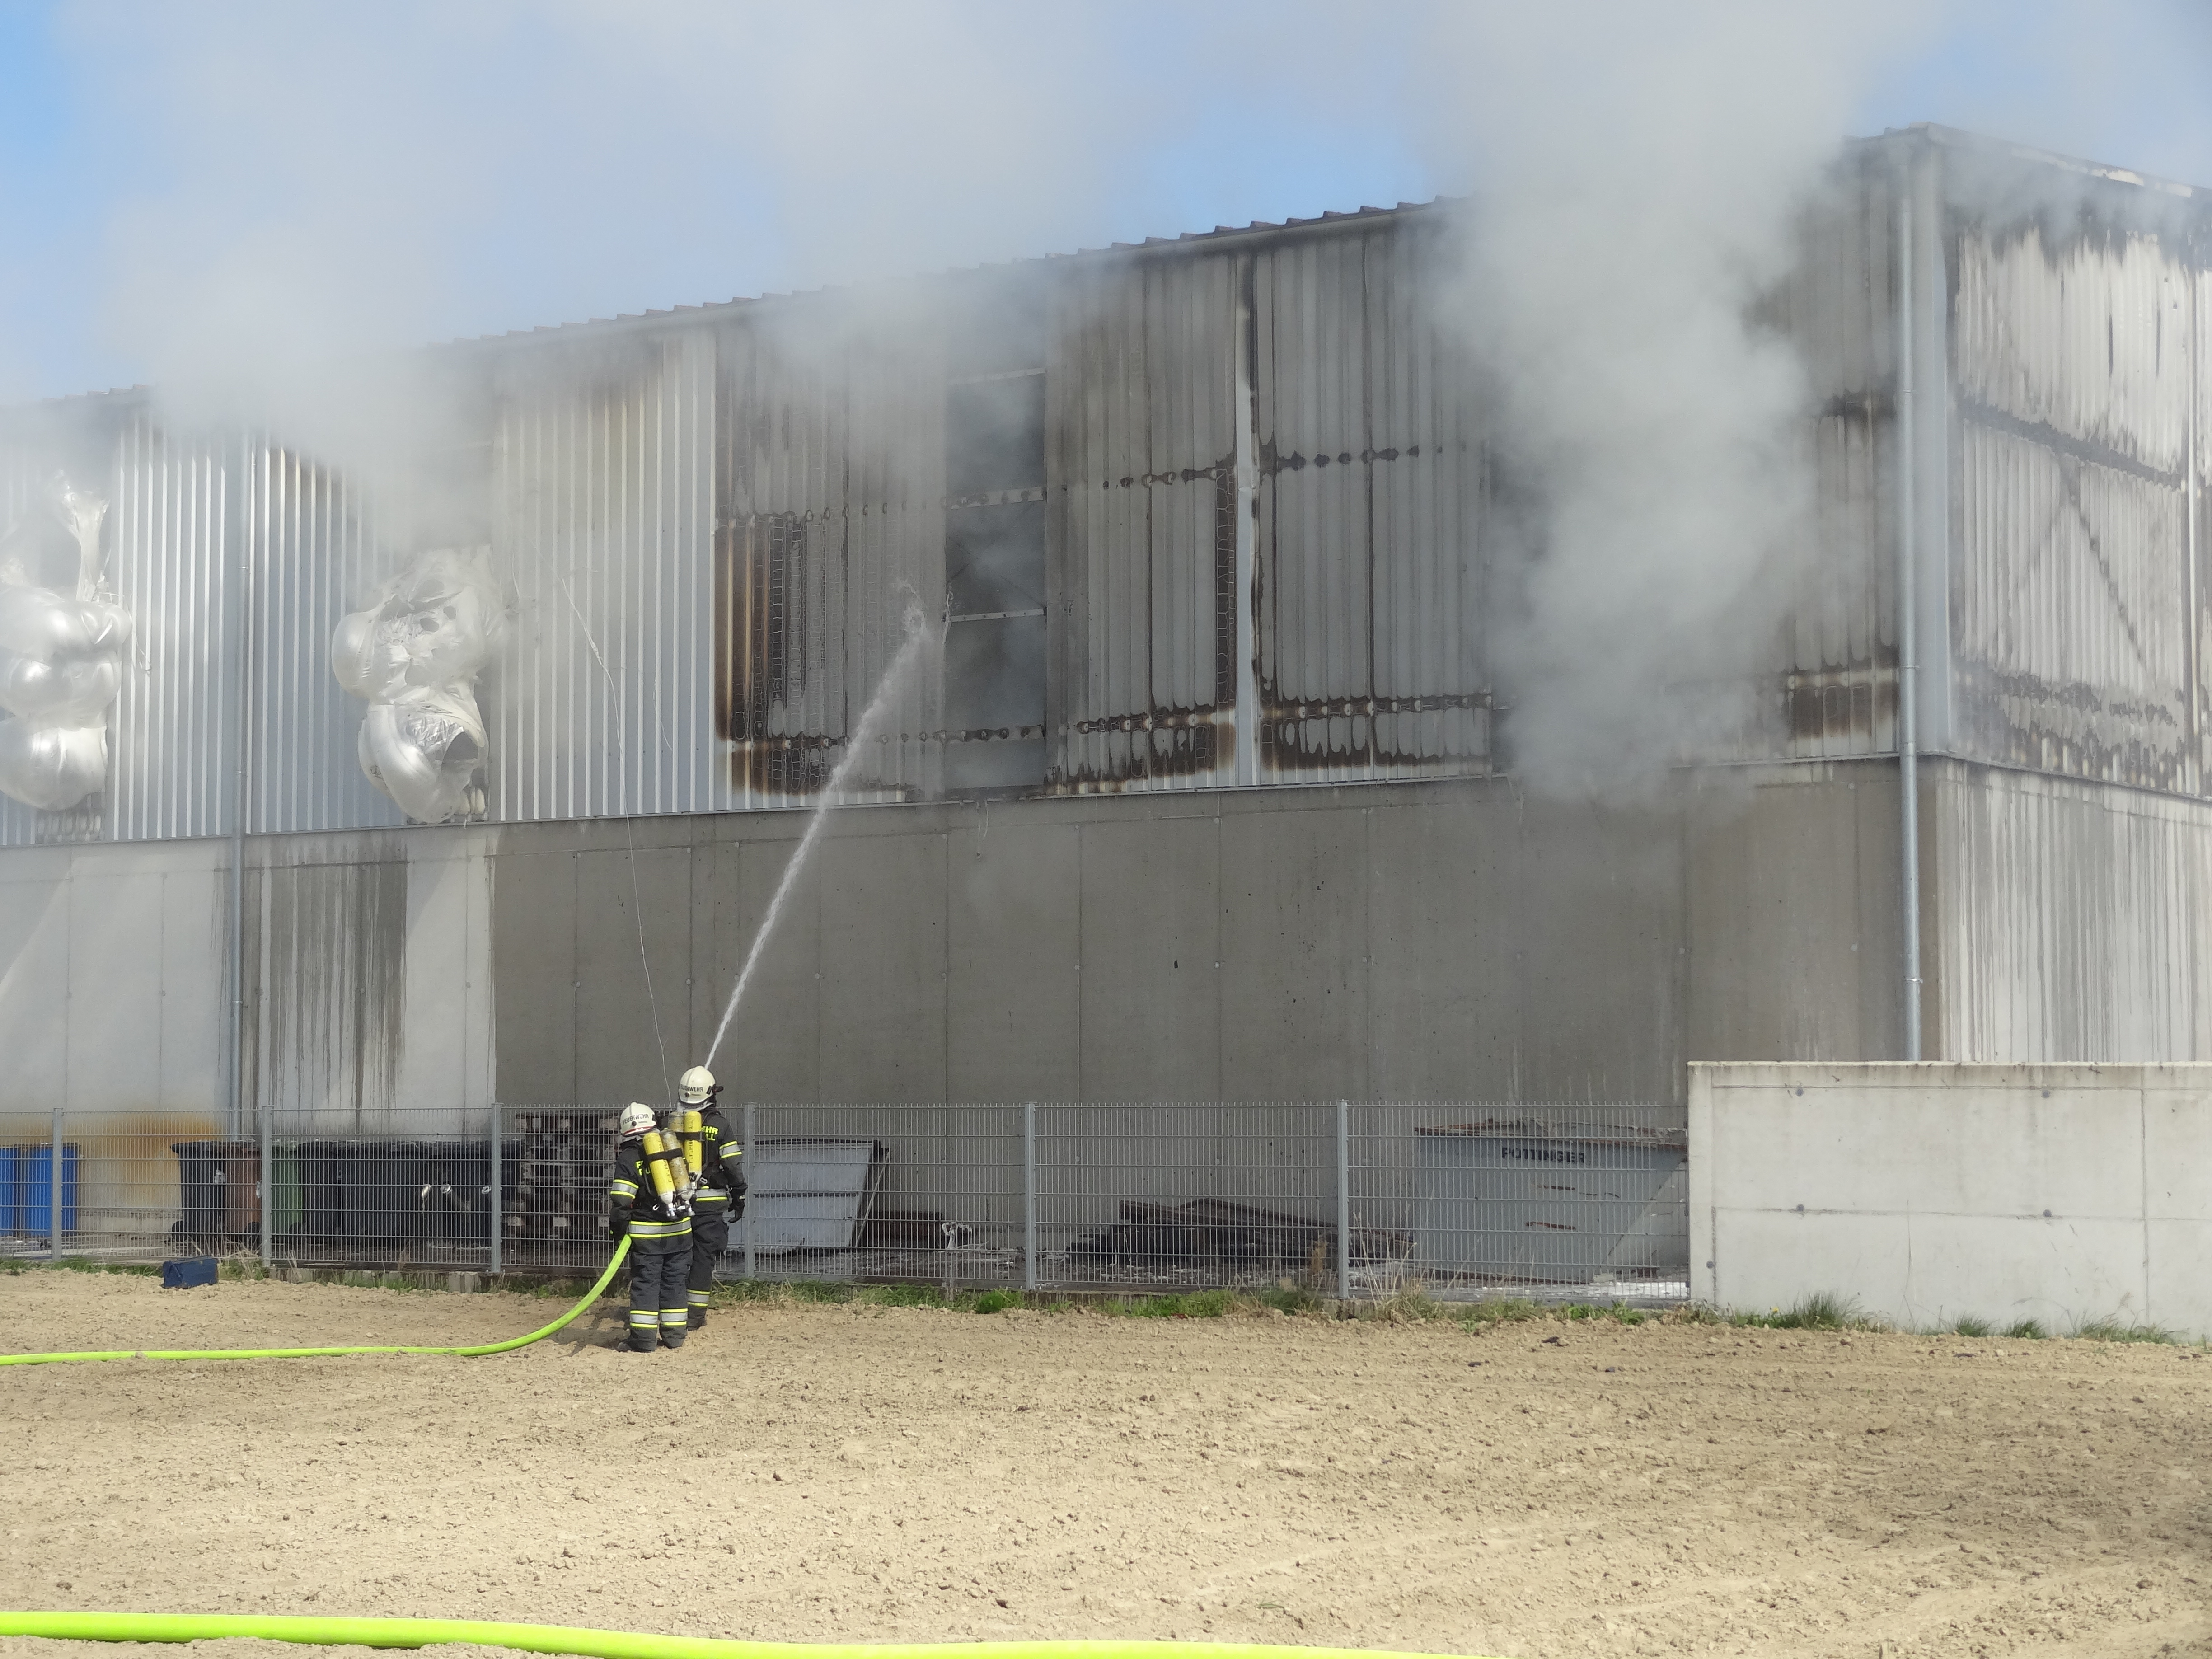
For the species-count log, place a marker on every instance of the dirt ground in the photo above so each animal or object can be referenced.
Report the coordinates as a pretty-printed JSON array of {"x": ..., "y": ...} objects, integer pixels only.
[{"x": 813, "y": 1472}]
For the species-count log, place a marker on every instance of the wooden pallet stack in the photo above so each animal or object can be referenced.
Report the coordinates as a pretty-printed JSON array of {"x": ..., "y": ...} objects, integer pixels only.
[{"x": 560, "y": 1192}]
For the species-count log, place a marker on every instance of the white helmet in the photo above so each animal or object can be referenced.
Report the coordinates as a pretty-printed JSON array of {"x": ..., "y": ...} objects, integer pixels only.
[
  {"x": 695, "y": 1087},
  {"x": 636, "y": 1118}
]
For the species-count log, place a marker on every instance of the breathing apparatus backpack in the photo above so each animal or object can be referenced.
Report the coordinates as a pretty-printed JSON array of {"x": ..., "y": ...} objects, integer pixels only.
[{"x": 664, "y": 1160}]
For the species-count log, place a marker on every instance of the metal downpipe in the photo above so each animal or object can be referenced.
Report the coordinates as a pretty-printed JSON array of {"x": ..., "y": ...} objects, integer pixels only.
[{"x": 1908, "y": 605}]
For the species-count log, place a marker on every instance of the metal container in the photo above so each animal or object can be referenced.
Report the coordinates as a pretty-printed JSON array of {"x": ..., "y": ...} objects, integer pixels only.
[{"x": 1520, "y": 1199}]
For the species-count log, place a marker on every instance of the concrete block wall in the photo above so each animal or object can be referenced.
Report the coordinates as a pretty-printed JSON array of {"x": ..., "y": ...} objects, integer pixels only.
[{"x": 1925, "y": 1193}]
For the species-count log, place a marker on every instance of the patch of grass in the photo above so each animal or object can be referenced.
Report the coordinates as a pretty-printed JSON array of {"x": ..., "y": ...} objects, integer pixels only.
[
  {"x": 1499, "y": 1311},
  {"x": 1970, "y": 1325},
  {"x": 1195, "y": 1304},
  {"x": 2114, "y": 1330},
  {"x": 1693, "y": 1313},
  {"x": 1821, "y": 1311},
  {"x": 903, "y": 1296},
  {"x": 817, "y": 1294},
  {"x": 1293, "y": 1299},
  {"x": 1411, "y": 1306},
  {"x": 2026, "y": 1330}
]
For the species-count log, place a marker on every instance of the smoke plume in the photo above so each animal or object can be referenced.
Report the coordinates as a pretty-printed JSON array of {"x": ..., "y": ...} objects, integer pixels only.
[{"x": 292, "y": 198}]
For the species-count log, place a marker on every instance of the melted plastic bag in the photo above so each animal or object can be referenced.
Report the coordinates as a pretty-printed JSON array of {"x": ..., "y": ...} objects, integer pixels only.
[
  {"x": 414, "y": 653},
  {"x": 61, "y": 654}
]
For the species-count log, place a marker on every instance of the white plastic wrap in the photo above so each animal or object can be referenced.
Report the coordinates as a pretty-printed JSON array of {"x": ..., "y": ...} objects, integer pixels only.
[
  {"x": 61, "y": 655},
  {"x": 414, "y": 653}
]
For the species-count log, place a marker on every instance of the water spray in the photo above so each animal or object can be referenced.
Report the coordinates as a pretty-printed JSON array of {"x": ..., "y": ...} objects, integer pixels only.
[{"x": 919, "y": 636}]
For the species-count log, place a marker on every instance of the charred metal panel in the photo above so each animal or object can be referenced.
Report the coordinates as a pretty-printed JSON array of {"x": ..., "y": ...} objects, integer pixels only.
[
  {"x": 603, "y": 520},
  {"x": 1835, "y": 665},
  {"x": 2073, "y": 637},
  {"x": 831, "y": 485},
  {"x": 2075, "y": 369},
  {"x": 2083, "y": 333},
  {"x": 1141, "y": 467},
  {"x": 1369, "y": 602}
]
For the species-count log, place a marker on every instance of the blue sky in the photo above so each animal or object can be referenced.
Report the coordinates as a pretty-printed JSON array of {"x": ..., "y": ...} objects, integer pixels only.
[{"x": 176, "y": 181}]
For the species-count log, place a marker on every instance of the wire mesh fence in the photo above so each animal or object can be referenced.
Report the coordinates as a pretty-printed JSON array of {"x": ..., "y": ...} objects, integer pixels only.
[{"x": 1352, "y": 1199}]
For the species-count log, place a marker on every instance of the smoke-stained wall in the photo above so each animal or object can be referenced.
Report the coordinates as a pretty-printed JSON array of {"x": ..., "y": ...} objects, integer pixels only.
[
  {"x": 1441, "y": 941},
  {"x": 368, "y": 985}
]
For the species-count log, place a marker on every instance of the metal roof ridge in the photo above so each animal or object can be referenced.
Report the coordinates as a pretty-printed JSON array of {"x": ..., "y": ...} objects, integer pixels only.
[
  {"x": 1960, "y": 138},
  {"x": 1186, "y": 238}
]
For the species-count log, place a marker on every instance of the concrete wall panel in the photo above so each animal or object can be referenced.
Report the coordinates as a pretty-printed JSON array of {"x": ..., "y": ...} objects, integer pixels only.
[
  {"x": 1444, "y": 1007},
  {"x": 34, "y": 941},
  {"x": 1601, "y": 952},
  {"x": 446, "y": 1066},
  {"x": 772, "y": 1051},
  {"x": 191, "y": 958},
  {"x": 883, "y": 988},
  {"x": 1014, "y": 1003},
  {"x": 1294, "y": 954},
  {"x": 114, "y": 995},
  {"x": 1926, "y": 1193},
  {"x": 1152, "y": 993},
  {"x": 1798, "y": 874},
  {"x": 631, "y": 1020},
  {"x": 533, "y": 908}
]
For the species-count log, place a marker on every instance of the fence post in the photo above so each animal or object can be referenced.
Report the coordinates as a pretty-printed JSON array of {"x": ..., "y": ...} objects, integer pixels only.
[
  {"x": 497, "y": 1221},
  {"x": 54, "y": 1194},
  {"x": 1028, "y": 1196},
  {"x": 746, "y": 1223},
  {"x": 268, "y": 1185},
  {"x": 1344, "y": 1200}
]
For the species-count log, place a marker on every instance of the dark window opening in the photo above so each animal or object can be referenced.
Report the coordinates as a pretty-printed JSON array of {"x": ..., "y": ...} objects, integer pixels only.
[
  {"x": 762, "y": 602},
  {"x": 995, "y": 580}
]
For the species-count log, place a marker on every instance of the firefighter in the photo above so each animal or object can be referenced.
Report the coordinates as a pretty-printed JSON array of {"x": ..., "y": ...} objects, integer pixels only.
[
  {"x": 649, "y": 1203},
  {"x": 718, "y": 1197}
]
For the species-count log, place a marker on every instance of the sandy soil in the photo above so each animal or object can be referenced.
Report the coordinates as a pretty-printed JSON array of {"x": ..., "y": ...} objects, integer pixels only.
[{"x": 822, "y": 1473}]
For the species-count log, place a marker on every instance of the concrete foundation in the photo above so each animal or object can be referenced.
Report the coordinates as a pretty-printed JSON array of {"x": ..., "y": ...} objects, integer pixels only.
[{"x": 1928, "y": 1193}]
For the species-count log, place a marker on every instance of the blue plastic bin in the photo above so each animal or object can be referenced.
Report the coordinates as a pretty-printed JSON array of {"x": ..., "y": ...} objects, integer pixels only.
[{"x": 34, "y": 1190}]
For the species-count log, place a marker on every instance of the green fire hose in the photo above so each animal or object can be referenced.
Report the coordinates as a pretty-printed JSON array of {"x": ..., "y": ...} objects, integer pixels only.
[
  {"x": 604, "y": 1643},
  {"x": 621, "y": 1249}
]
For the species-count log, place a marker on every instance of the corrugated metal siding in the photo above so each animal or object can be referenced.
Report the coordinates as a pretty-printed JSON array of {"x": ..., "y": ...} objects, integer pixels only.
[
  {"x": 1836, "y": 656},
  {"x": 2072, "y": 625},
  {"x": 172, "y": 749},
  {"x": 2074, "y": 371},
  {"x": 832, "y": 452},
  {"x": 1370, "y": 655},
  {"x": 1141, "y": 384},
  {"x": 2089, "y": 338},
  {"x": 23, "y": 473},
  {"x": 2073, "y": 923},
  {"x": 603, "y": 518},
  {"x": 313, "y": 557}
]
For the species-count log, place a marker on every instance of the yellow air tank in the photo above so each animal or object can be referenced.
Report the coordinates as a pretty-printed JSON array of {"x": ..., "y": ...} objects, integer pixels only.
[
  {"x": 661, "y": 1153},
  {"x": 695, "y": 1142}
]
